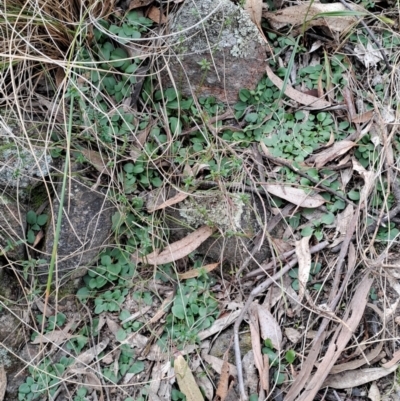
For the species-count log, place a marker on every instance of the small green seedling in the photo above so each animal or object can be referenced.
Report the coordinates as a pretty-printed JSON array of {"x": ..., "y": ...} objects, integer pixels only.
[{"x": 35, "y": 224}]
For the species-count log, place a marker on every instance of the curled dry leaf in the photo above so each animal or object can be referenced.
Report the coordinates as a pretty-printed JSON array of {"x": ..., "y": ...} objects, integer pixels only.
[
  {"x": 269, "y": 327},
  {"x": 96, "y": 160},
  {"x": 307, "y": 15},
  {"x": 311, "y": 101},
  {"x": 179, "y": 249},
  {"x": 139, "y": 3},
  {"x": 217, "y": 364},
  {"x": 304, "y": 261},
  {"x": 338, "y": 149},
  {"x": 185, "y": 379},
  {"x": 292, "y": 334},
  {"x": 195, "y": 272},
  {"x": 295, "y": 195}
]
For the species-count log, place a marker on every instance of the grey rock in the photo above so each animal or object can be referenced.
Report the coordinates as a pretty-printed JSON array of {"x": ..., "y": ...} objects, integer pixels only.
[
  {"x": 12, "y": 228},
  {"x": 220, "y": 35},
  {"x": 85, "y": 229},
  {"x": 237, "y": 217}
]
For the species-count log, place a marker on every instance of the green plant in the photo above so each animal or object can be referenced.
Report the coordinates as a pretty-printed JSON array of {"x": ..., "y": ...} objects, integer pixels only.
[
  {"x": 51, "y": 323},
  {"x": 110, "y": 301},
  {"x": 294, "y": 273},
  {"x": 114, "y": 267},
  {"x": 276, "y": 363},
  {"x": 126, "y": 364},
  {"x": 81, "y": 394},
  {"x": 194, "y": 309},
  {"x": 44, "y": 380},
  {"x": 35, "y": 224}
]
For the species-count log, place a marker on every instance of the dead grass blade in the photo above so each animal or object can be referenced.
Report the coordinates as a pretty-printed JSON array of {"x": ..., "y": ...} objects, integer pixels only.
[
  {"x": 302, "y": 98},
  {"x": 185, "y": 379},
  {"x": 339, "y": 340}
]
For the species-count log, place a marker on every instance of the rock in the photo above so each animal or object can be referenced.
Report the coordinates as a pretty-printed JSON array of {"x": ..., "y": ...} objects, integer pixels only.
[
  {"x": 23, "y": 167},
  {"x": 12, "y": 228},
  {"x": 237, "y": 218},
  {"x": 216, "y": 50},
  {"x": 85, "y": 228}
]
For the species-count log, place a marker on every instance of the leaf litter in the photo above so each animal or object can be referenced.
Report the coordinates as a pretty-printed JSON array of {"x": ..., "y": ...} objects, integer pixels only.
[{"x": 275, "y": 323}]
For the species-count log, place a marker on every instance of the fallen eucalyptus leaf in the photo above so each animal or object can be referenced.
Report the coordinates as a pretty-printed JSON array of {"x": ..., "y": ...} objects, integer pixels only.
[
  {"x": 295, "y": 195},
  {"x": 185, "y": 379}
]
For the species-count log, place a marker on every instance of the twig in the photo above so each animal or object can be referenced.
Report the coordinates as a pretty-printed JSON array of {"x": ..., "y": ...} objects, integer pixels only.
[
  {"x": 371, "y": 34},
  {"x": 257, "y": 291}
]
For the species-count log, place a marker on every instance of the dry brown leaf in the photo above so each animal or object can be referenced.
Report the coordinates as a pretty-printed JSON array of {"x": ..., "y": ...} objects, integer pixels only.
[
  {"x": 195, "y": 272},
  {"x": 304, "y": 261},
  {"x": 269, "y": 327},
  {"x": 179, "y": 249},
  {"x": 254, "y": 8},
  {"x": 163, "y": 309},
  {"x": 292, "y": 334},
  {"x": 295, "y": 195},
  {"x": 60, "y": 75},
  {"x": 363, "y": 118},
  {"x": 223, "y": 385},
  {"x": 374, "y": 393},
  {"x": 338, "y": 149},
  {"x": 311, "y": 101},
  {"x": 304, "y": 13},
  {"x": 217, "y": 364},
  {"x": 369, "y": 180},
  {"x": 56, "y": 336},
  {"x": 96, "y": 160},
  {"x": 112, "y": 325},
  {"x": 156, "y": 16},
  {"x": 393, "y": 361},
  {"x": 349, "y": 100},
  {"x": 357, "y": 377},
  {"x": 184, "y": 377},
  {"x": 87, "y": 356},
  {"x": 139, "y": 3},
  {"x": 255, "y": 338},
  {"x": 179, "y": 197}
]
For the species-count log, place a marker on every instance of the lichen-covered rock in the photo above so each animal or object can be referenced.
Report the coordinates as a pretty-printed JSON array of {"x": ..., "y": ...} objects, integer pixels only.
[
  {"x": 22, "y": 167},
  {"x": 215, "y": 50},
  {"x": 237, "y": 218},
  {"x": 85, "y": 229}
]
